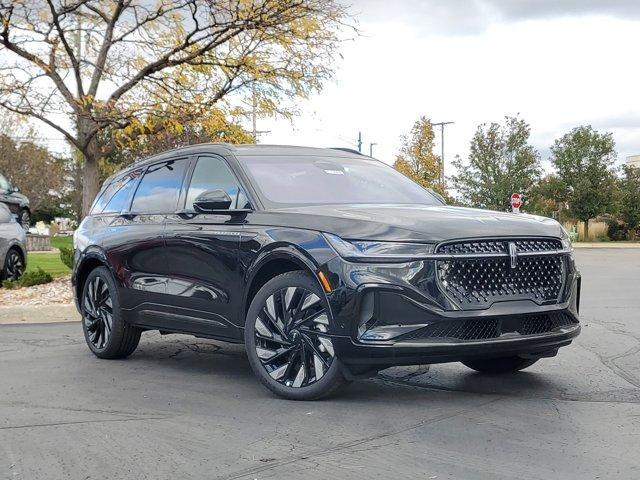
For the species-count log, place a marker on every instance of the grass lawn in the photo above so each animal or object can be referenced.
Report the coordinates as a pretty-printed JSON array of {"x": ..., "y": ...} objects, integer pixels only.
[
  {"x": 50, "y": 262},
  {"x": 62, "y": 242}
]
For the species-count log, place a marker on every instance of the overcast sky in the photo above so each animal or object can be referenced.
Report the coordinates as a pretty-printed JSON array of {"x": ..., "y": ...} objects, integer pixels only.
[{"x": 558, "y": 63}]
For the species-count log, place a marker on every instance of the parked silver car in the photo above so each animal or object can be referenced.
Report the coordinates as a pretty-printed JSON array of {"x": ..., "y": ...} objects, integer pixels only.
[
  {"x": 18, "y": 204},
  {"x": 13, "y": 246}
]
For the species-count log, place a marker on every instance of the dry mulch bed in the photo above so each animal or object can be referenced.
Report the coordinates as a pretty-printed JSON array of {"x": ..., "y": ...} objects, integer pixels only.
[{"x": 57, "y": 292}]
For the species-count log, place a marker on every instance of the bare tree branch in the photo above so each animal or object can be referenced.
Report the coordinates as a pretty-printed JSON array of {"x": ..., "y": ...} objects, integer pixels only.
[{"x": 55, "y": 17}]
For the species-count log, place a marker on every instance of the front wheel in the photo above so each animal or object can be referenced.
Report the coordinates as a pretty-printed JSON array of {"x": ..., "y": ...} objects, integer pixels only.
[
  {"x": 106, "y": 333},
  {"x": 25, "y": 219},
  {"x": 500, "y": 365},
  {"x": 287, "y": 342}
]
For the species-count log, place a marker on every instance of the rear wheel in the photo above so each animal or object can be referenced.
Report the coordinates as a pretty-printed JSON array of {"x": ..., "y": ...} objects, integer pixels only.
[
  {"x": 107, "y": 335},
  {"x": 500, "y": 365},
  {"x": 287, "y": 342},
  {"x": 13, "y": 265}
]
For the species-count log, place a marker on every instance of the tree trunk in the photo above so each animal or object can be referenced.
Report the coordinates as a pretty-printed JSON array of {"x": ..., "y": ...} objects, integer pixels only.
[
  {"x": 586, "y": 230},
  {"x": 90, "y": 167},
  {"x": 90, "y": 177}
]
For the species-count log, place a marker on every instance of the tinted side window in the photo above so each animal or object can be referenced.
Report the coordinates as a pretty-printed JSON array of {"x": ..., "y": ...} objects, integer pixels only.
[
  {"x": 121, "y": 199},
  {"x": 107, "y": 193},
  {"x": 159, "y": 189},
  {"x": 115, "y": 197},
  {"x": 213, "y": 173}
]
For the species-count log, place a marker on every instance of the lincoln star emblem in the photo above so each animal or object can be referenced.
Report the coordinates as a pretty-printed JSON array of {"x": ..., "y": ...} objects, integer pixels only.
[{"x": 513, "y": 255}]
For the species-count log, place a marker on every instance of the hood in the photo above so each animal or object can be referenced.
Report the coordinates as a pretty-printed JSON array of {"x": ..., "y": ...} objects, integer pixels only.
[
  {"x": 418, "y": 223},
  {"x": 23, "y": 198},
  {"x": 20, "y": 198}
]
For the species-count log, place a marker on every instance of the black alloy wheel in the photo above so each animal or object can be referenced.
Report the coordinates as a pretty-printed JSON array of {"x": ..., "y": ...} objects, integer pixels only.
[
  {"x": 13, "y": 265},
  {"x": 25, "y": 219},
  {"x": 97, "y": 312},
  {"x": 287, "y": 341},
  {"x": 107, "y": 335}
]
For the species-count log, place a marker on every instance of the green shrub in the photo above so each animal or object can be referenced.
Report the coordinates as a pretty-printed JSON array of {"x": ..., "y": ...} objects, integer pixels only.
[
  {"x": 66, "y": 255},
  {"x": 10, "y": 285},
  {"x": 617, "y": 230},
  {"x": 29, "y": 279}
]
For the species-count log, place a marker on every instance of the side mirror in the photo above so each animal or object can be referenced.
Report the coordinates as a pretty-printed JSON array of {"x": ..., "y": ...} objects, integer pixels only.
[{"x": 212, "y": 200}]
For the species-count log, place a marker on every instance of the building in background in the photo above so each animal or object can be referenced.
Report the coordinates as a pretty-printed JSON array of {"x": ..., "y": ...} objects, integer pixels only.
[{"x": 634, "y": 161}]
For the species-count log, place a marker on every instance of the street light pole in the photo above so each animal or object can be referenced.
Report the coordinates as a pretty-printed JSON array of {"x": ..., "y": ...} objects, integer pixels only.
[{"x": 441, "y": 125}]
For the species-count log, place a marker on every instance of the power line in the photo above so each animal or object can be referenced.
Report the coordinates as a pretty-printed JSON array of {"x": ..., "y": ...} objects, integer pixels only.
[{"x": 33, "y": 139}]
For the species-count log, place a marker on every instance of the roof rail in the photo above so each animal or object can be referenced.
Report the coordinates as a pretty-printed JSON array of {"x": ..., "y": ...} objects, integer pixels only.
[{"x": 348, "y": 150}]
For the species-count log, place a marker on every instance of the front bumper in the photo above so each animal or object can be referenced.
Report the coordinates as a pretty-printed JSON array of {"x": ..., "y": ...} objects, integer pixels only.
[
  {"x": 407, "y": 352},
  {"x": 386, "y": 315}
]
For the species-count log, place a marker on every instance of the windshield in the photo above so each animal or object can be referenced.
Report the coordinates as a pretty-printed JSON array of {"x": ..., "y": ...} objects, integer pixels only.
[{"x": 310, "y": 180}]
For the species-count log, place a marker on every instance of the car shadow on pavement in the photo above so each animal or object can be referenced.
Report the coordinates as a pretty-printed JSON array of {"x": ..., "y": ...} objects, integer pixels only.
[{"x": 205, "y": 360}]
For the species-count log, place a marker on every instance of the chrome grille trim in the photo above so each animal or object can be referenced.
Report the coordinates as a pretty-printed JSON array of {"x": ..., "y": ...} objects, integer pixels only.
[{"x": 450, "y": 256}]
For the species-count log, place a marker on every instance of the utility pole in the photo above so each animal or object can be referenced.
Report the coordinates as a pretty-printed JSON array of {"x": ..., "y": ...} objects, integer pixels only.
[
  {"x": 371, "y": 149},
  {"x": 360, "y": 142},
  {"x": 441, "y": 125}
]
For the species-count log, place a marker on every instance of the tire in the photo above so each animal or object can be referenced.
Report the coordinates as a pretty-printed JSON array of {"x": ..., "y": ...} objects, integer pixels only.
[
  {"x": 500, "y": 365},
  {"x": 13, "y": 267},
  {"x": 286, "y": 324},
  {"x": 106, "y": 333},
  {"x": 25, "y": 219}
]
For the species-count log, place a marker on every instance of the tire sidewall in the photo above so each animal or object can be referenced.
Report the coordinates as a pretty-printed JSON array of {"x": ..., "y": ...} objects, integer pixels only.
[
  {"x": 4, "y": 274},
  {"x": 117, "y": 327},
  {"x": 25, "y": 225},
  {"x": 329, "y": 380}
]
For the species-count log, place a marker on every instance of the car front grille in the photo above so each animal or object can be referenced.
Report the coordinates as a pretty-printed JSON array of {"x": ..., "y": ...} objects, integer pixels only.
[
  {"x": 477, "y": 274},
  {"x": 494, "y": 327}
]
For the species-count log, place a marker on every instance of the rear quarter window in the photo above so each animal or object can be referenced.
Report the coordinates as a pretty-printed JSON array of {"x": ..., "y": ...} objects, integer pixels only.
[{"x": 116, "y": 196}]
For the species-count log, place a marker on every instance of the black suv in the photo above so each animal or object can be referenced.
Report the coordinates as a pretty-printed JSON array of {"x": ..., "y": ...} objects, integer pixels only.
[
  {"x": 18, "y": 204},
  {"x": 328, "y": 265}
]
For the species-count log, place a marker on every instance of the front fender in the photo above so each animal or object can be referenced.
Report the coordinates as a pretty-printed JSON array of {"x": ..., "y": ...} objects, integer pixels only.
[{"x": 306, "y": 249}]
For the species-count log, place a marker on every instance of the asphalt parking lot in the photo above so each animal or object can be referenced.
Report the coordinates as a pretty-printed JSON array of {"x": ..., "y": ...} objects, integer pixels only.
[{"x": 182, "y": 407}]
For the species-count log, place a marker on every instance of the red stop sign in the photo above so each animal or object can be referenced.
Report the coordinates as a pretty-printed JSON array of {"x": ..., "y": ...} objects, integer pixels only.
[{"x": 516, "y": 200}]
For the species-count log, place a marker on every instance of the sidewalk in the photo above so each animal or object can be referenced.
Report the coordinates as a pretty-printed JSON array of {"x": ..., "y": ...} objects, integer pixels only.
[
  {"x": 39, "y": 314},
  {"x": 606, "y": 245}
]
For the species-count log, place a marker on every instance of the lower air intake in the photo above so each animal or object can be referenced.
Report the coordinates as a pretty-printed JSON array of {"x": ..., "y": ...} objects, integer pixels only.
[{"x": 491, "y": 328}]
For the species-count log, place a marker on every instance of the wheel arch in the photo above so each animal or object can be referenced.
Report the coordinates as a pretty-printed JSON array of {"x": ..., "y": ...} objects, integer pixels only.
[
  {"x": 87, "y": 263},
  {"x": 269, "y": 265}
]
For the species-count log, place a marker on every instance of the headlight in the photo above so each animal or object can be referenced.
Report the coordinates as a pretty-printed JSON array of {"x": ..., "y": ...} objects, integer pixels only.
[
  {"x": 566, "y": 239},
  {"x": 363, "y": 250}
]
